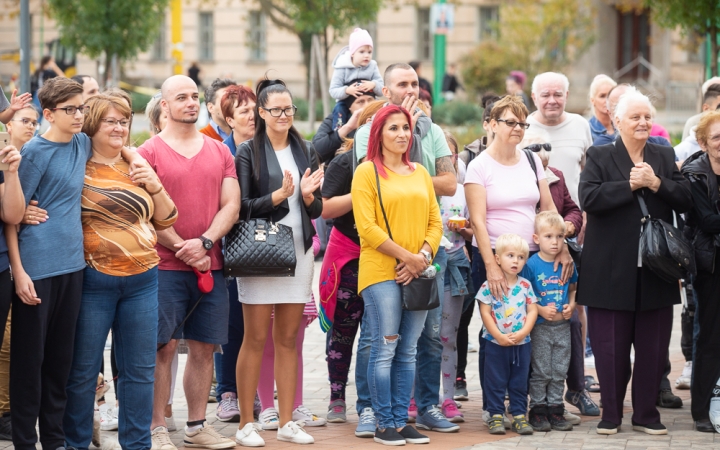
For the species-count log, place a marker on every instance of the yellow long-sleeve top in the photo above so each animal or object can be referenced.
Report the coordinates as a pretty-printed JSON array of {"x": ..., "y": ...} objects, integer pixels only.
[{"x": 412, "y": 211}]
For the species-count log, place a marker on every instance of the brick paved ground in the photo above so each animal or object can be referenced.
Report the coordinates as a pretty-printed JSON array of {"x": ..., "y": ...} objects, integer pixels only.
[{"x": 473, "y": 433}]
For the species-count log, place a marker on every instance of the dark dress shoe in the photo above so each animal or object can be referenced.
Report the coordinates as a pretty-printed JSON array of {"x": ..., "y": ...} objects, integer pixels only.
[{"x": 704, "y": 426}]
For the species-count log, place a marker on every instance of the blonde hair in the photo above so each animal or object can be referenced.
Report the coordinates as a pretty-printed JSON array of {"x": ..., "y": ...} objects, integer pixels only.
[
  {"x": 98, "y": 106},
  {"x": 513, "y": 103},
  {"x": 367, "y": 113},
  {"x": 509, "y": 241},
  {"x": 549, "y": 219},
  {"x": 702, "y": 132},
  {"x": 598, "y": 81}
]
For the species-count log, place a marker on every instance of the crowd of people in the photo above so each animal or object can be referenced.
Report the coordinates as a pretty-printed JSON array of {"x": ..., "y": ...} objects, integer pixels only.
[{"x": 537, "y": 222}]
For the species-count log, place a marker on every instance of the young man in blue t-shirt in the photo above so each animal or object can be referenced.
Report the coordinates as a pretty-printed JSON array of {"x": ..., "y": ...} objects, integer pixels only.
[{"x": 551, "y": 336}]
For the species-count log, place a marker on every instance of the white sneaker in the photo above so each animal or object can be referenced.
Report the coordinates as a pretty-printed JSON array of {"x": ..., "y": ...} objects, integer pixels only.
[
  {"x": 161, "y": 439},
  {"x": 684, "y": 381},
  {"x": 269, "y": 419},
  {"x": 108, "y": 418},
  {"x": 170, "y": 422},
  {"x": 248, "y": 436},
  {"x": 294, "y": 432},
  {"x": 303, "y": 414}
]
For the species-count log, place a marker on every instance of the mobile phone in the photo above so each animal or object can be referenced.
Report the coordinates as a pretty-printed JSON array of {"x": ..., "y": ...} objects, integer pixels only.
[{"x": 4, "y": 142}]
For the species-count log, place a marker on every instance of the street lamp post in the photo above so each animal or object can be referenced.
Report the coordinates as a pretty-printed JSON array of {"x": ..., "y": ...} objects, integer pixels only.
[{"x": 25, "y": 46}]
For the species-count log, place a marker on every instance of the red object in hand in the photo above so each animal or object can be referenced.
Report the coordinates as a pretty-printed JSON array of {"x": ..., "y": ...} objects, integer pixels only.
[{"x": 205, "y": 281}]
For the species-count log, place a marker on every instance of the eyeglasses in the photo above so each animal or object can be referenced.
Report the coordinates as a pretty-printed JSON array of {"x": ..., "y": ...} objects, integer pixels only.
[
  {"x": 70, "y": 110},
  {"x": 277, "y": 112},
  {"x": 114, "y": 122},
  {"x": 28, "y": 123},
  {"x": 537, "y": 147},
  {"x": 514, "y": 123}
]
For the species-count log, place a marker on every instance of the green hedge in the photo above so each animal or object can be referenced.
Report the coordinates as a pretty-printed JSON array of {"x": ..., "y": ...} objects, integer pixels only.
[
  {"x": 303, "y": 108},
  {"x": 457, "y": 113}
]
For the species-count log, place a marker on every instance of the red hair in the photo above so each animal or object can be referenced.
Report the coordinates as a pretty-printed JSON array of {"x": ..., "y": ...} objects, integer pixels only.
[
  {"x": 235, "y": 96},
  {"x": 374, "y": 151}
]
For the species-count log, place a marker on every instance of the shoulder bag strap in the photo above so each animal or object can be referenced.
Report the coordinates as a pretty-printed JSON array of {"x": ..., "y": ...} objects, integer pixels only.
[
  {"x": 382, "y": 208},
  {"x": 531, "y": 160}
]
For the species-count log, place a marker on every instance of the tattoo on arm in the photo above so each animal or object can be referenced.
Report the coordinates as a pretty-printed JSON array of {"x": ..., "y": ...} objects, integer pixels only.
[{"x": 444, "y": 164}]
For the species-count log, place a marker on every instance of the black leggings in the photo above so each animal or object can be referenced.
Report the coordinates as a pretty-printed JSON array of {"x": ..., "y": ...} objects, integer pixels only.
[{"x": 462, "y": 340}]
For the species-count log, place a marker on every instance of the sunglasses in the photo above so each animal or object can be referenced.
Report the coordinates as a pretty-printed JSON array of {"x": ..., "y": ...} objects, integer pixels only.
[{"x": 537, "y": 147}]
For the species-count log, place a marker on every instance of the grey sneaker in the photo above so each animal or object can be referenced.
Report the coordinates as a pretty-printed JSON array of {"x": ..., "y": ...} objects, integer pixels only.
[
  {"x": 572, "y": 418},
  {"x": 486, "y": 418},
  {"x": 366, "y": 424},
  {"x": 337, "y": 411},
  {"x": 434, "y": 420},
  {"x": 520, "y": 425},
  {"x": 495, "y": 424}
]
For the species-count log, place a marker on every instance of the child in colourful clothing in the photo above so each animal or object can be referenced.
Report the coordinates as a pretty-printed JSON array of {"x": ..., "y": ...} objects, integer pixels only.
[
  {"x": 507, "y": 325},
  {"x": 551, "y": 335}
]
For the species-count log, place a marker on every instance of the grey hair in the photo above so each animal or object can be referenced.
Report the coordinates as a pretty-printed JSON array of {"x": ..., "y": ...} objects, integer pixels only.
[
  {"x": 153, "y": 110},
  {"x": 536, "y": 136},
  {"x": 547, "y": 76},
  {"x": 598, "y": 81},
  {"x": 632, "y": 95}
]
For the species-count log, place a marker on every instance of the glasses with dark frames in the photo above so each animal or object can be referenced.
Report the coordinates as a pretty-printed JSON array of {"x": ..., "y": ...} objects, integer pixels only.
[
  {"x": 514, "y": 123},
  {"x": 537, "y": 147},
  {"x": 277, "y": 112},
  {"x": 70, "y": 110}
]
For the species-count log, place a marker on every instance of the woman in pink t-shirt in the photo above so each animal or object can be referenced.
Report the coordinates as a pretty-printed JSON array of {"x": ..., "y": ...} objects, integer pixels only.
[{"x": 502, "y": 191}]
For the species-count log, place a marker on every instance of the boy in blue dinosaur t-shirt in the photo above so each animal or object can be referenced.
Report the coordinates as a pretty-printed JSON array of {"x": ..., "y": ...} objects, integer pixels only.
[
  {"x": 508, "y": 322},
  {"x": 551, "y": 335}
]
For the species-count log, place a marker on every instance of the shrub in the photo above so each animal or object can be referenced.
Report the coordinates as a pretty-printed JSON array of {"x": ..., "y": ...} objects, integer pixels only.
[
  {"x": 139, "y": 101},
  {"x": 457, "y": 113},
  {"x": 486, "y": 67},
  {"x": 302, "y": 112}
]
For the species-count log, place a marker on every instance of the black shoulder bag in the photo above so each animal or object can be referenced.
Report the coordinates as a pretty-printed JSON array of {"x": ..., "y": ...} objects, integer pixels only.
[
  {"x": 421, "y": 293},
  {"x": 664, "y": 249}
]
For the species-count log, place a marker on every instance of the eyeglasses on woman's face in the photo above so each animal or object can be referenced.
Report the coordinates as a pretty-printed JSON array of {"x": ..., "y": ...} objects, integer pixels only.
[
  {"x": 514, "y": 123},
  {"x": 28, "y": 123},
  {"x": 537, "y": 147},
  {"x": 124, "y": 123},
  {"x": 277, "y": 112}
]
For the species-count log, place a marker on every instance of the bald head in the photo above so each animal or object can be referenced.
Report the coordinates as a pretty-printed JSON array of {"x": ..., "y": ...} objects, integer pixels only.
[
  {"x": 175, "y": 83},
  {"x": 614, "y": 97},
  {"x": 180, "y": 100}
]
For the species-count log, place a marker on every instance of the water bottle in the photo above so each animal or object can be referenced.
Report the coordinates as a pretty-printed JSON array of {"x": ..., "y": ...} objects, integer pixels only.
[
  {"x": 430, "y": 271},
  {"x": 715, "y": 407}
]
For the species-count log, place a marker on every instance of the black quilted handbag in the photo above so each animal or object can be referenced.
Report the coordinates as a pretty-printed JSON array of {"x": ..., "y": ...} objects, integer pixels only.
[{"x": 259, "y": 248}]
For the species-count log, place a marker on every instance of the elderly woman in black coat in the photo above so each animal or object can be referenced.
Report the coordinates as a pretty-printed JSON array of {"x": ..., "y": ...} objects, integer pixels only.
[
  {"x": 703, "y": 171},
  {"x": 628, "y": 304}
]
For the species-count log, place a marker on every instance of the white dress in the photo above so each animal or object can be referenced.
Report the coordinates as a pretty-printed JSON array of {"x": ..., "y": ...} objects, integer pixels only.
[{"x": 297, "y": 289}]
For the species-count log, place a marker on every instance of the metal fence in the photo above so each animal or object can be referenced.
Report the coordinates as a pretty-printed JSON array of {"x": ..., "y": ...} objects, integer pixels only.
[{"x": 681, "y": 96}]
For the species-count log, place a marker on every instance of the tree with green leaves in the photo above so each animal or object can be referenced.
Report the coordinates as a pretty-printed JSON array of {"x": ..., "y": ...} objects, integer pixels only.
[
  {"x": 329, "y": 19},
  {"x": 534, "y": 37},
  {"x": 111, "y": 28},
  {"x": 690, "y": 16}
]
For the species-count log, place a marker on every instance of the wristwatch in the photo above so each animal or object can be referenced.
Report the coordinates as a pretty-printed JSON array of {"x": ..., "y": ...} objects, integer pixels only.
[
  {"x": 427, "y": 254},
  {"x": 207, "y": 243}
]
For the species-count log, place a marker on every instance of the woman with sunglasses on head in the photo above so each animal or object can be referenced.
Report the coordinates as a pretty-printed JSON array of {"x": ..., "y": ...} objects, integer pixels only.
[
  {"x": 279, "y": 179},
  {"x": 503, "y": 193}
]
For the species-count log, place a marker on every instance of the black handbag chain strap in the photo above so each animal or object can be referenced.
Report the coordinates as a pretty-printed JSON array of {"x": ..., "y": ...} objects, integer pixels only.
[{"x": 382, "y": 208}]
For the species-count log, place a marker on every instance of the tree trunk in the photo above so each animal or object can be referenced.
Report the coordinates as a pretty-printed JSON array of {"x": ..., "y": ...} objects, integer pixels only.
[{"x": 714, "y": 51}]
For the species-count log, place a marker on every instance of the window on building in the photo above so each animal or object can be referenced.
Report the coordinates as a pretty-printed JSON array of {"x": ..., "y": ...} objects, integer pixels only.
[
  {"x": 258, "y": 36},
  {"x": 488, "y": 21},
  {"x": 424, "y": 38},
  {"x": 159, "y": 47},
  {"x": 206, "y": 41}
]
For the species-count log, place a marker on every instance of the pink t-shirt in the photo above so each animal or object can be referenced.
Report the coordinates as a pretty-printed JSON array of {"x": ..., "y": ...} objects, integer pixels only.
[
  {"x": 194, "y": 185},
  {"x": 512, "y": 195}
]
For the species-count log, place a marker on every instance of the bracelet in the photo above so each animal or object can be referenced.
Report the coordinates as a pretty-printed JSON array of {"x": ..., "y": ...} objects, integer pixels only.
[{"x": 156, "y": 192}]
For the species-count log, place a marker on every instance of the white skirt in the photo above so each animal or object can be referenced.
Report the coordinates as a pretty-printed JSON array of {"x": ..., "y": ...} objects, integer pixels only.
[{"x": 273, "y": 290}]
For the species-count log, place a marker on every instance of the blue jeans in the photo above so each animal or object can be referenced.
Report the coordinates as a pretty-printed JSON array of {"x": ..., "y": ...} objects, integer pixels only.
[
  {"x": 391, "y": 368},
  {"x": 362, "y": 357},
  {"x": 429, "y": 354},
  {"x": 226, "y": 361},
  {"x": 128, "y": 305}
]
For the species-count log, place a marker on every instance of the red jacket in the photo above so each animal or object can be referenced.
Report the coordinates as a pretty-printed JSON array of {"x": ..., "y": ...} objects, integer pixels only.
[
  {"x": 564, "y": 204},
  {"x": 210, "y": 132}
]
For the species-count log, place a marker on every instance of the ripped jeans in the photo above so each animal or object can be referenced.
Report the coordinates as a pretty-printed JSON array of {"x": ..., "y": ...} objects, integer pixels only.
[{"x": 391, "y": 370}]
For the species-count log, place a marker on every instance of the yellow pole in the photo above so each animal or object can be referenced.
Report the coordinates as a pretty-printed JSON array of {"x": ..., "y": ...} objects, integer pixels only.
[{"x": 176, "y": 36}]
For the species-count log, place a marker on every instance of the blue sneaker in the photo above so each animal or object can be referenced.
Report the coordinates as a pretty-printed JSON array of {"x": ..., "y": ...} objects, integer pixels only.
[
  {"x": 582, "y": 401},
  {"x": 366, "y": 424},
  {"x": 434, "y": 420}
]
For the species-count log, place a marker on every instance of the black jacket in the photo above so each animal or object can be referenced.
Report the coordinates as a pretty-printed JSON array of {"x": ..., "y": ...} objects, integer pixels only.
[
  {"x": 256, "y": 194},
  {"x": 327, "y": 141},
  {"x": 609, "y": 277},
  {"x": 703, "y": 221}
]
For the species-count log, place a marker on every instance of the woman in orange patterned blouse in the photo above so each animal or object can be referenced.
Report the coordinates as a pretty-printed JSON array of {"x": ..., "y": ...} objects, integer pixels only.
[{"x": 121, "y": 209}]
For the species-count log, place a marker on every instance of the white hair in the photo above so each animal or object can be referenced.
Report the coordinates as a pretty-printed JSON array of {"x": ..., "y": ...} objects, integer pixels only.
[
  {"x": 542, "y": 78},
  {"x": 598, "y": 81},
  {"x": 631, "y": 96},
  {"x": 534, "y": 135},
  {"x": 706, "y": 85}
]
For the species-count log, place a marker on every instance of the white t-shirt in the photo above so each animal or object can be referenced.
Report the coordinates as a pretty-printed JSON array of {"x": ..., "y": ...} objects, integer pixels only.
[
  {"x": 454, "y": 206},
  {"x": 570, "y": 140},
  {"x": 512, "y": 195}
]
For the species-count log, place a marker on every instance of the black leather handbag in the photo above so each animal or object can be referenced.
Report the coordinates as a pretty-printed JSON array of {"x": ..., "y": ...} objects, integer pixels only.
[
  {"x": 421, "y": 293},
  {"x": 664, "y": 249},
  {"x": 259, "y": 248}
]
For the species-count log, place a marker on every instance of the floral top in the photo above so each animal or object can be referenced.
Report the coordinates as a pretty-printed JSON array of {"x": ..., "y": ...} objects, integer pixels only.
[{"x": 510, "y": 313}]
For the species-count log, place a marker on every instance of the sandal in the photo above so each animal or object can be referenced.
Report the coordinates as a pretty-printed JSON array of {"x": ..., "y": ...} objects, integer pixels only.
[{"x": 591, "y": 384}]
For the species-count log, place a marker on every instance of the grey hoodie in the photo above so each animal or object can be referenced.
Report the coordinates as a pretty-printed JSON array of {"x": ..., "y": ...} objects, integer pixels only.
[{"x": 346, "y": 72}]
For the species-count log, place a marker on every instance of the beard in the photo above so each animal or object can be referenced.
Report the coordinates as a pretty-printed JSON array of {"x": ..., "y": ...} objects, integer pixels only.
[{"x": 193, "y": 120}]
